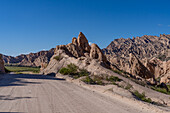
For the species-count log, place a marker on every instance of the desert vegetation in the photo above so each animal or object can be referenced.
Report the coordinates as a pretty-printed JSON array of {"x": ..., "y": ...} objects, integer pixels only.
[
  {"x": 141, "y": 96},
  {"x": 161, "y": 89},
  {"x": 73, "y": 71},
  {"x": 101, "y": 80},
  {"x": 58, "y": 58},
  {"x": 18, "y": 69}
]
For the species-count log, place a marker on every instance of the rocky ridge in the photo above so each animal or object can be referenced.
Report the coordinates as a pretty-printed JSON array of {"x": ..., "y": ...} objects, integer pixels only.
[{"x": 141, "y": 56}]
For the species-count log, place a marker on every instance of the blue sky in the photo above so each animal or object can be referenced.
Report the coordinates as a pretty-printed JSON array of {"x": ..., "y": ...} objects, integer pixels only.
[{"x": 33, "y": 25}]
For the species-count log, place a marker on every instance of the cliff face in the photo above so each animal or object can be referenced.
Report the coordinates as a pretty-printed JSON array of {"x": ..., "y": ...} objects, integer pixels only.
[
  {"x": 146, "y": 56},
  {"x": 32, "y": 59},
  {"x": 2, "y": 69}
]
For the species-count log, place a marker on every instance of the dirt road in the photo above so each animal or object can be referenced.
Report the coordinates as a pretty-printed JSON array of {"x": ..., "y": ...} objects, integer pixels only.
[{"x": 42, "y": 94}]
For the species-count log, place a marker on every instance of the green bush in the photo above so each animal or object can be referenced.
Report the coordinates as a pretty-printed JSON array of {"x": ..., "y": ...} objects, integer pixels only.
[
  {"x": 58, "y": 58},
  {"x": 88, "y": 80},
  {"x": 117, "y": 71},
  {"x": 95, "y": 80},
  {"x": 83, "y": 72},
  {"x": 70, "y": 70},
  {"x": 98, "y": 80},
  {"x": 65, "y": 71},
  {"x": 128, "y": 86},
  {"x": 73, "y": 68},
  {"x": 113, "y": 79},
  {"x": 141, "y": 97},
  {"x": 162, "y": 90},
  {"x": 73, "y": 71}
]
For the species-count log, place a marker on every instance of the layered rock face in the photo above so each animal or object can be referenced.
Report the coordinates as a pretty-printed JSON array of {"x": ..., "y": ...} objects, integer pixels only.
[
  {"x": 144, "y": 61},
  {"x": 80, "y": 53},
  {"x": 142, "y": 47},
  {"x": 2, "y": 69},
  {"x": 32, "y": 59}
]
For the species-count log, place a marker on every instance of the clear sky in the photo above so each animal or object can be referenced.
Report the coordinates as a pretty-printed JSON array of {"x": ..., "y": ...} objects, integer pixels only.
[{"x": 33, "y": 25}]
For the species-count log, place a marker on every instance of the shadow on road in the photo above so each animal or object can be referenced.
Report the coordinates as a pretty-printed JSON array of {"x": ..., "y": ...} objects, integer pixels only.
[
  {"x": 22, "y": 79},
  {"x": 8, "y": 97},
  {"x": 12, "y": 112}
]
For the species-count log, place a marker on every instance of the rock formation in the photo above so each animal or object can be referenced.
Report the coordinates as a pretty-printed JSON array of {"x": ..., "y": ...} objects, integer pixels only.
[
  {"x": 160, "y": 69},
  {"x": 2, "y": 69},
  {"x": 32, "y": 59},
  {"x": 80, "y": 53},
  {"x": 143, "y": 47},
  {"x": 149, "y": 59},
  {"x": 138, "y": 69}
]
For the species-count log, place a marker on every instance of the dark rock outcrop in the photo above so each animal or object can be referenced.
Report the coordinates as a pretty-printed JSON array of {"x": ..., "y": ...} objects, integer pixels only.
[{"x": 2, "y": 68}]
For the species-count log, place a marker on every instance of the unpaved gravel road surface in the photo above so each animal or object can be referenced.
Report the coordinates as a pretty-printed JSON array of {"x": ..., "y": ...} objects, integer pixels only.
[{"x": 43, "y": 94}]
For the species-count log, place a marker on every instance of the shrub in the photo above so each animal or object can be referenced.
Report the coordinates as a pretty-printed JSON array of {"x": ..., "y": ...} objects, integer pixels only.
[
  {"x": 98, "y": 80},
  {"x": 128, "y": 86},
  {"x": 58, "y": 58},
  {"x": 88, "y": 80},
  {"x": 95, "y": 80},
  {"x": 73, "y": 68},
  {"x": 113, "y": 79},
  {"x": 162, "y": 90},
  {"x": 141, "y": 97},
  {"x": 117, "y": 71},
  {"x": 65, "y": 71},
  {"x": 83, "y": 72},
  {"x": 73, "y": 71}
]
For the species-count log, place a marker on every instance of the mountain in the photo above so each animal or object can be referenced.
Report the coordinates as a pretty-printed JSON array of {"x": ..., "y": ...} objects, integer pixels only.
[
  {"x": 147, "y": 55},
  {"x": 32, "y": 59},
  {"x": 143, "y": 47}
]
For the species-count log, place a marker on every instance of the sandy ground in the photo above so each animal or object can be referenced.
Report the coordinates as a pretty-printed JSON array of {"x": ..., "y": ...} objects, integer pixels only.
[{"x": 43, "y": 94}]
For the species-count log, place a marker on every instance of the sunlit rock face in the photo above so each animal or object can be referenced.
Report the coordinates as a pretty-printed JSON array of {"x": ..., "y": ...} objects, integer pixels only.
[
  {"x": 80, "y": 53},
  {"x": 151, "y": 54}
]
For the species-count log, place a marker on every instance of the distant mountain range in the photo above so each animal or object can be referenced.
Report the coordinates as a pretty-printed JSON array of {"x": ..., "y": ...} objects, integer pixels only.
[
  {"x": 32, "y": 59},
  {"x": 143, "y": 47}
]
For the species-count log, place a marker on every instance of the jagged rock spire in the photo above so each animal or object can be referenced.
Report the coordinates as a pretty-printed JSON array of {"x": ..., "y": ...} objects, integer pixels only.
[{"x": 83, "y": 42}]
